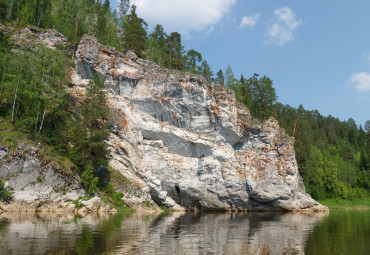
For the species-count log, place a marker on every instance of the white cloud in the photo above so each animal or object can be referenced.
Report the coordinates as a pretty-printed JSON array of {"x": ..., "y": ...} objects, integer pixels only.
[
  {"x": 280, "y": 31},
  {"x": 249, "y": 21},
  {"x": 183, "y": 16},
  {"x": 361, "y": 81}
]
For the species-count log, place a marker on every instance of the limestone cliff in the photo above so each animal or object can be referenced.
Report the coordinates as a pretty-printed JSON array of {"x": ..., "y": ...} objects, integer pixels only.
[
  {"x": 38, "y": 183},
  {"x": 188, "y": 143}
]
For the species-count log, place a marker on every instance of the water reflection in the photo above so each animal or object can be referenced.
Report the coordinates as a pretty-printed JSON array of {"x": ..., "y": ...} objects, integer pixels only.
[
  {"x": 143, "y": 233},
  {"x": 344, "y": 232}
]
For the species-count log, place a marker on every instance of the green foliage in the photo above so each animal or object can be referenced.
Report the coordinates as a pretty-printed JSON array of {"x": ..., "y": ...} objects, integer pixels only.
[
  {"x": 174, "y": 52},
  {"x": 5, "y": 195},
  {"x": 157, "y": 45},
  {"x": 192, "y": 59},
  {"x": 89, "y": 181},
  {"x": 220, "y": 78},
  {"x": 33, "y": 95},
  {"x": 111, "y": 197},
  {"x": 331, "y": 154},
  {"x": 3, "y": 9},
  {"x": 135, "y": 33},
  {"x": 258, "y": 94},
  {"x": 338, "y": 203},
  {"x": 205, "y": 70},
  {"x": 91, "y": 128}
]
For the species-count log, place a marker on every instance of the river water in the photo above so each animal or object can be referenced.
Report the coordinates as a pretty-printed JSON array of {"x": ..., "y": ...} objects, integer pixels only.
[{"x": 340, "y": 232}]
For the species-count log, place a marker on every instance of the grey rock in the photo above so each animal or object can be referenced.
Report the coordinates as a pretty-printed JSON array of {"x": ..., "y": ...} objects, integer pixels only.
[
  {"x": 38, "y": 183},
  {"x": 188, "y": 143}
]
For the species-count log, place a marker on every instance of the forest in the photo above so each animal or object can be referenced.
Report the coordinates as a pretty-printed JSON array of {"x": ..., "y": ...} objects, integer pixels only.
[{"x": 333, "y": 155}]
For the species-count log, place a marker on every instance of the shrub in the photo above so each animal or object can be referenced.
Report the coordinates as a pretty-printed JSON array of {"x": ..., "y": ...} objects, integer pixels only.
[
  {"x": 88, "y": 180},
  {"x": 5, "y": 195}
]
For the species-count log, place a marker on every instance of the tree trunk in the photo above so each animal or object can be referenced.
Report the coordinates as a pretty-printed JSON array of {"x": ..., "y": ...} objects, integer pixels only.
[
  {"x": 15, "y": 96},
  {"x": 74, "y": 44},
  {"x": 2, "y": 82},
  {"x": 39, "y": 21},
  {"x": 295, "y": 125},
  {"x": 37, "y": 120},
  {"x": 42, "y": 121},
  {"x": 119, "y": 9},
  {"x": 36, "y": 11}
]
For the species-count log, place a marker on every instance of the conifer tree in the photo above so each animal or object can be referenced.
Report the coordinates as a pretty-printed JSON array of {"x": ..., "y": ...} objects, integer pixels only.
[
  {"x": 220, "y": 79},
  {"x": 205, "y": 70},
  {"x": 92, "y": 128},
  {"x": 157, "y": 45},
  {"x": 101, "y": 24},
  {"x": 3, "y": 9},
  {"x": 135, "y": 33},
  {"x": 192, "y": 59},
  {"x": 175, "y": 51}
]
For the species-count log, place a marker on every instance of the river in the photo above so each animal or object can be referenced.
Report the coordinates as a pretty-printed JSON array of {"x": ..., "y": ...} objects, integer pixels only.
[{"x": 340, "y": 232}]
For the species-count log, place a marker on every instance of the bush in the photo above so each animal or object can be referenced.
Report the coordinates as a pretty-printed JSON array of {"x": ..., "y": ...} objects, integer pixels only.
[
  {"x": 89, "y": 181},
  {"x": 5, "y": 195},
  {"x": 111, "y": 197}
]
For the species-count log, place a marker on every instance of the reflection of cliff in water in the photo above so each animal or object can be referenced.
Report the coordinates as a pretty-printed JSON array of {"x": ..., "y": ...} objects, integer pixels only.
[
  {"x": 143, "y": 233},
  {"x": 253, "y": 233}
]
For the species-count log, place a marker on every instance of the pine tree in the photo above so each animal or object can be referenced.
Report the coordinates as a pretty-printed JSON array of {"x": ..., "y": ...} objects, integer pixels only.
[
  {"x": 220, "y": 77},
  {"x": 106, "y": 7},
  {"x": 174, "y": 52},
  {"x": 101, "y": 25},
  {"x": 192, "y": 59},
  {"x": 135, "y": 34},
  {"x": 205, "y": 70},
  {"x": 229, "y": 77},
  {"x": 92, "y": 128},
  {"x": 157, "y": 45},
  {"x": 3, "y": 8}
]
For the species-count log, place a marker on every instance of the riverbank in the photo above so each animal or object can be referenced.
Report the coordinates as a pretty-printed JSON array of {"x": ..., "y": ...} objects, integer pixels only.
[{"x": 336, "y": 203}]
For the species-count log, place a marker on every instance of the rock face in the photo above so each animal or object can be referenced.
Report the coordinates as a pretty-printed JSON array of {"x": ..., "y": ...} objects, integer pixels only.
[
  {"x": 187, "y": 142},
  {"x": 38, "y": 183},
  {"x": 50, "y": 37}
]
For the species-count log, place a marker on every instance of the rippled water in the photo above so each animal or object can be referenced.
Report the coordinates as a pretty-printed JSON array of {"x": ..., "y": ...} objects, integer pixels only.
[{"x": 341, "y": 232}]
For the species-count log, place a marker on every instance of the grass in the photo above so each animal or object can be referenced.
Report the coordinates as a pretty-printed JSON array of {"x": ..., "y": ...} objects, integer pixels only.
[
  {"x": 166, "y": 210},
  {"x": 11, "y": 136},
  {"x": 337, "y": 203},
  {"x": 77, "y": 201}
]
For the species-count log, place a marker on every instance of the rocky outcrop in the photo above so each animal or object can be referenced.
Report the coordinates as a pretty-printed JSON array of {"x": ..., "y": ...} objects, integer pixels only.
[
  {"x": 30, "y": 36},
  {"x": 37, "y": 183},
  {"x": 180, "y": 141},
  {"x": 187, "y": 142}
]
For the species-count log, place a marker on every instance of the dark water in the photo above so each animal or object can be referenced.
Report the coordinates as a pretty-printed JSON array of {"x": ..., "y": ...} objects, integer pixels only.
[{"x": 340, "y": 232}]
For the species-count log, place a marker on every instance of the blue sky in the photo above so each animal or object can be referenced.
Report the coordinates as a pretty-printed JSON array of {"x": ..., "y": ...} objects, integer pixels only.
[{"x": 316, "y": 52}]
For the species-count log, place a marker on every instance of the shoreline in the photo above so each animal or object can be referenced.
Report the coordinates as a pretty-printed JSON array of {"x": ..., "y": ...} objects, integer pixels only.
[{"x": 340, "y": 204}]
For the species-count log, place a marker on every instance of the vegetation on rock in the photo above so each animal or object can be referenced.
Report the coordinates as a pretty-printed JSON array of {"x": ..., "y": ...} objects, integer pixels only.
[
  {"x": 5, "y": 194},
  {"x": 333, "y": 155}
]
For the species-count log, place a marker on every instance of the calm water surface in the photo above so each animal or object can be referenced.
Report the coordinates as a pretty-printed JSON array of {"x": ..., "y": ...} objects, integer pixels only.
[{"x": 340, "y": 232}]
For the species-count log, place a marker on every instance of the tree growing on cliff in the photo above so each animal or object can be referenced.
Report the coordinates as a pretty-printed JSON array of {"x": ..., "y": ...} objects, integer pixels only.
[
  {"x": 192, "y": 59},
  {"x": 91, "y": 129},
  {"x": 174, "y": 52},
  {"x": 3, "y": 8},
  {"x": 205, "y": 70},
  {"x": 135, "y": 34},
  {"x": 101, "y": 24},
  {"x": 220, "y": 78},
  {"x": 157, "y": 45},
  {"x": 5, "y": 194}
]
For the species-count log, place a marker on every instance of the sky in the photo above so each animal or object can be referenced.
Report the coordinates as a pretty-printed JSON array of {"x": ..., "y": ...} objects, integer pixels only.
[{"x": 317, "y": 52}]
